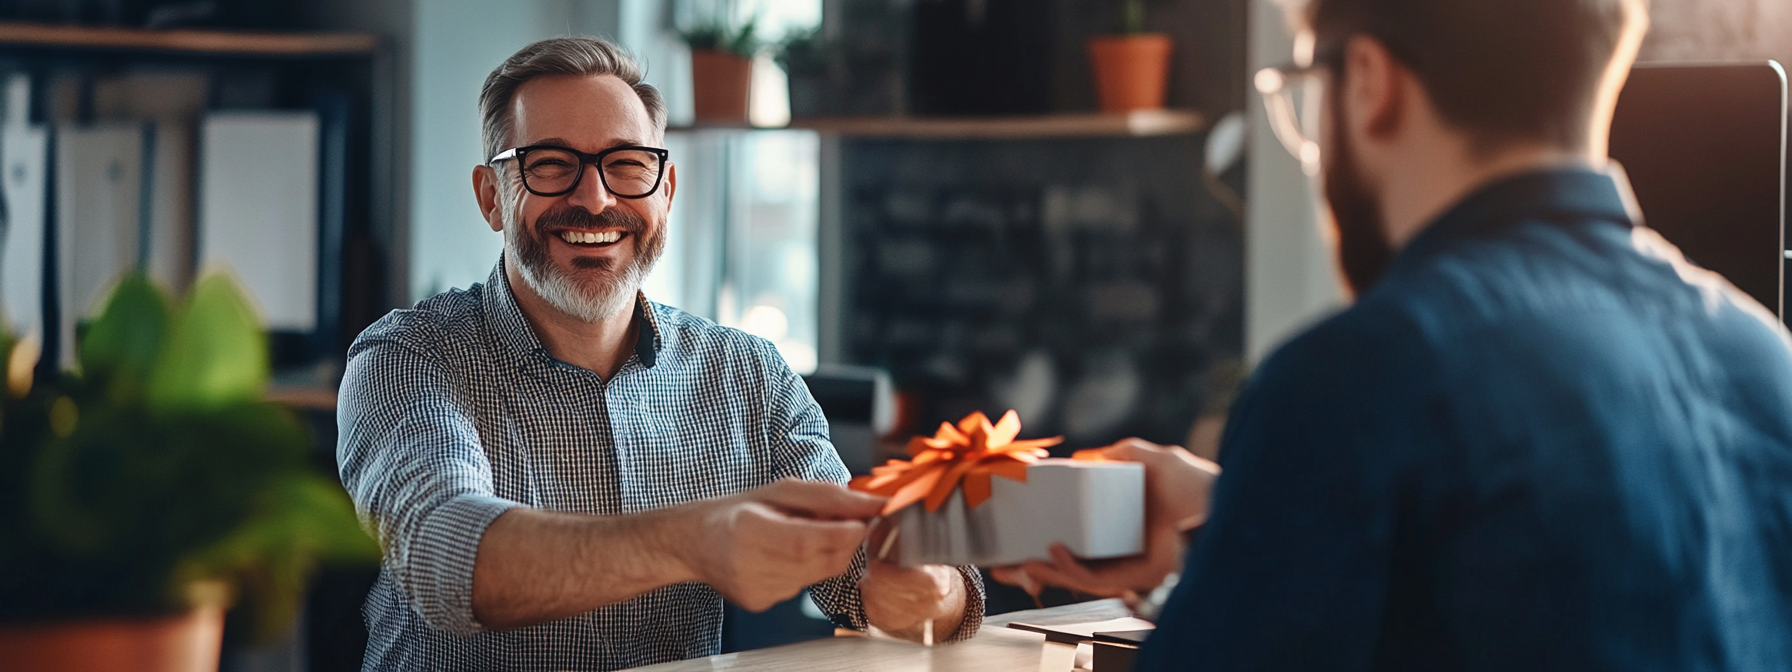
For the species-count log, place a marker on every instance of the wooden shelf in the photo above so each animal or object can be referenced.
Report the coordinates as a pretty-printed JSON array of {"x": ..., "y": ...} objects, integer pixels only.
[
  {"x": 14, "y": 34},
  {"x": 1132, "y": 124},
  {"x": 309, "y": 397},
  {"x": 1083, "y": 125}
]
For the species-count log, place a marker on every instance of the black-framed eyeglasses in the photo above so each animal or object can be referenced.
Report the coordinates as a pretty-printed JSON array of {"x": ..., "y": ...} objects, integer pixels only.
[{"x": 628, "y": 171}]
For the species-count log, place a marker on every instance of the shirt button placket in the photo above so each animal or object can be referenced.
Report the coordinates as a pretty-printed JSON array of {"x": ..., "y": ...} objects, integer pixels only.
[{"x": 621, "y": 436}]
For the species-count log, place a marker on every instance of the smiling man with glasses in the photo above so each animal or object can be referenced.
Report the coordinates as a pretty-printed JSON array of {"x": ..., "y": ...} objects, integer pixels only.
[
  {"x": 566, "y": 475},
  {"x": 1539, "y": 439}
]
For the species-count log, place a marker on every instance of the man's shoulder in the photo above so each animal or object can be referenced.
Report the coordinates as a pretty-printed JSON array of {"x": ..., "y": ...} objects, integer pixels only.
[
  {"x": 701, "y": 338},
  {"x": 1529, "y": 271},
  {"x": 1532, "y": 268},
  {"x": 1541, "y": 276},
  {"x": 444, "y": 320},
  {"x": 1369, "y": 336}
]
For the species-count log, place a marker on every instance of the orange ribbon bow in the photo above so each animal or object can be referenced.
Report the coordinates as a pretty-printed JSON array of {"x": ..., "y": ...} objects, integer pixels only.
[{"x": 972, "y": 452}]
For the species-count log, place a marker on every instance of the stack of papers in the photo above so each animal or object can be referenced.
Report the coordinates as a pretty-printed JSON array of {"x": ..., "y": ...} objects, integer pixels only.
[{"x": 1072, "y": 633}]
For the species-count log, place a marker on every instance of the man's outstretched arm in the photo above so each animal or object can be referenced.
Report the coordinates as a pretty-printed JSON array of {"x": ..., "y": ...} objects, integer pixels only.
[
  {"x": 469, "y": 560},
  {"x": 756, "y": 548}
]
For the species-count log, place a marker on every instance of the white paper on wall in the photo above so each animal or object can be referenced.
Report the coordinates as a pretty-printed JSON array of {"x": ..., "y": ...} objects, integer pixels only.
[
  {"x": 99, "y": 182},
  {"x": 258, "y": 209},
  {"x": 24, "y": 169}
]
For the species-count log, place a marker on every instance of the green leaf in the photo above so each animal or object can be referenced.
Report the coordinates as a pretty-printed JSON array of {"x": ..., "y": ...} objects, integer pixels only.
[
  {"x": 1132, "y": 17},
  {"x": 217, "y": 353},
  {"x": 56, "y": 502},
  {"x": 298, "y": 521},
  {"x": 119, "y": 503},
  {"x": 124, "y": 339},
  {"x": 716, "y": 33}
]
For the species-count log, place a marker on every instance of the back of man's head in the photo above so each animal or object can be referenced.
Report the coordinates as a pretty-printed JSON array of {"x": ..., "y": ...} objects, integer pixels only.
[
  {"x": 579, "y": 56},
  {"x": 1501, "y": 71}
]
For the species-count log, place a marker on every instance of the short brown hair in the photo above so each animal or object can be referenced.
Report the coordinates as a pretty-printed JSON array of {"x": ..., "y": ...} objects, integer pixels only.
[
  {"x": 1499, "y": 70},
  {"x": 587, "y": 56}
]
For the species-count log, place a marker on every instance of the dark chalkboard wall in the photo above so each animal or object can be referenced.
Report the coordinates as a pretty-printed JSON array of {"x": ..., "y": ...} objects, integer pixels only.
[{"x": 1093, "y": 284}]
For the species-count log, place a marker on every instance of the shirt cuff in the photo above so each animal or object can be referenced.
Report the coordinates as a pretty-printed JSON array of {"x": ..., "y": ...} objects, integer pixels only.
[
  {"x": 440, "y": 563},
  {"x": 973, "y": 604}
]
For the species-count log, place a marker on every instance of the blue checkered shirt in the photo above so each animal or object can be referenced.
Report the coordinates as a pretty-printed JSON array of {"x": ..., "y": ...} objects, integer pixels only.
[{"x": 452, "y": 413}]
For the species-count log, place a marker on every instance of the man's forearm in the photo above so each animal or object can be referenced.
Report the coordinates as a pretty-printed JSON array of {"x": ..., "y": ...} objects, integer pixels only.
[
  {"x": 535, "y": 566},
  {"x": 756, "y": 548}
]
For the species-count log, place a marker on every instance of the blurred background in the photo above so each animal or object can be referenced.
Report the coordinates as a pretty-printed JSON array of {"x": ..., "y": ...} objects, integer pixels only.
[{"x": 929, "y": 206}]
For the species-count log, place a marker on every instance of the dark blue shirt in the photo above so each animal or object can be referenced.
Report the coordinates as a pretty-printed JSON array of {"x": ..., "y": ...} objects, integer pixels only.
[{"x": 1542, "y": 441}]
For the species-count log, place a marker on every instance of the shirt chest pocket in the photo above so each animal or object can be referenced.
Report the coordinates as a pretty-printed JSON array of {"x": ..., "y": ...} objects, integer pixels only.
[
  {"x": 671, "y": 459},
  {"x": 558, "y": 451}
]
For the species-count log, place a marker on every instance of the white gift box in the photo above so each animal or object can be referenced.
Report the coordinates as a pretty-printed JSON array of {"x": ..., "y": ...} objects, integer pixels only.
[{"x": 1096, "y": 509}]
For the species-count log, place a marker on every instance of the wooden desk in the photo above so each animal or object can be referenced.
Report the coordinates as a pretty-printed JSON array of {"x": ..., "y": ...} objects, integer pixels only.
[{"x": 996, "y": 648}]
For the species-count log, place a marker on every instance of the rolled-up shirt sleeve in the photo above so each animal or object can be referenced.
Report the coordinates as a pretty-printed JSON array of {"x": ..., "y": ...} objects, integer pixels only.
[
  {"x": 799, "y": 437},
  {"x": 410, "y": 457}
]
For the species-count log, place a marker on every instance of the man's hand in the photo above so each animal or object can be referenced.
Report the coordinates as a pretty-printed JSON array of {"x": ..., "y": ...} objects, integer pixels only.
[
  {"x": 900, "y": 600},
  {"x": 1178, "y": 488},
  {"x": 765, "y": 545}
]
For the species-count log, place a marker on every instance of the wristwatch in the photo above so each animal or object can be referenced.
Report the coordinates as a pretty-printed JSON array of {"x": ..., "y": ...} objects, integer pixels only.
[{"x": 1153, "y": 603}]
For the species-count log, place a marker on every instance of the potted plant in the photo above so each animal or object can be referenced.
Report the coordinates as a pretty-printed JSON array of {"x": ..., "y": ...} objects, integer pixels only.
[
  {"x": 145, "y": 491},
  {"x": 806, "y": 59},
  {"x": 1132, "y": 68},
  {"x": 721, "y": 69}
]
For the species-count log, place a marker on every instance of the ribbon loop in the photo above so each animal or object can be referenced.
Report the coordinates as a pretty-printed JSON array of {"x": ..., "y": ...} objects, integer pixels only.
[{"x": 969, "y": 453}]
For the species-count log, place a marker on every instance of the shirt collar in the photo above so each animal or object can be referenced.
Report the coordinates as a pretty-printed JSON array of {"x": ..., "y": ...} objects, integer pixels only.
[
  {"x": 513, "y": 330},
  {"x": 647, "y": 338},
  {"x": 1556, "y": 194}
]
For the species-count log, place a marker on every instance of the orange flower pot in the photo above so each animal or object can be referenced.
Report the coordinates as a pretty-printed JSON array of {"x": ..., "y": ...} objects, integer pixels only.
[
  {"x": 720, "y": 86},
  {"x": 185, "y": 643},
  {"x": 1131, "y": 71}
]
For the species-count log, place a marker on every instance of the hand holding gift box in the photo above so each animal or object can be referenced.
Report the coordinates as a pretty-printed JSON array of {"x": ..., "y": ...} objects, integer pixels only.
[
  {"x": 1178, "y": 487},
  {"x": 969, "y": 517}
]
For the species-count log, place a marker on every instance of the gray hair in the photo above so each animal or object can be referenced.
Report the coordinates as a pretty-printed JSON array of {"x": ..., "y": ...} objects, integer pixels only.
[{"x": 587, "y": 56}]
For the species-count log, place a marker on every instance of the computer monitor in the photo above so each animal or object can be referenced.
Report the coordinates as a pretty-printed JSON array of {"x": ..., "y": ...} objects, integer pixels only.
[
  {"x": 859, "y": 405},
  {"x": 1705, "y": 148}
]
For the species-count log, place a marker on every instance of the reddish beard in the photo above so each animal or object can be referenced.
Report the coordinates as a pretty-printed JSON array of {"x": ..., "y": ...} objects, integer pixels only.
[{"x": 1364, "y": 252}]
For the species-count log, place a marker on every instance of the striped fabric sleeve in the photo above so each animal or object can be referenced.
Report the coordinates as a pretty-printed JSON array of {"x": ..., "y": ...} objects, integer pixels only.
[{"x": 411, "y": 459}]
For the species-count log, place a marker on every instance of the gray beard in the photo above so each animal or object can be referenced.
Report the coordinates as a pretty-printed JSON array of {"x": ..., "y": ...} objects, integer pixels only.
[{"x": 593, "y": 299}]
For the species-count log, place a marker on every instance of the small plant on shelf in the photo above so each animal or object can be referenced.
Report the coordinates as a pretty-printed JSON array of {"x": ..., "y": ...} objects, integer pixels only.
[
  {"x": 802, "y": 50},
  {"x": 721, "y": 35},
  {"x": 1132, "y": 17},
  {"x": 154, "y": 481},
  {"x": 722, "y": 68},
  {"x": 806, "y": 58},
  {"x": 1131, "y": 68}
]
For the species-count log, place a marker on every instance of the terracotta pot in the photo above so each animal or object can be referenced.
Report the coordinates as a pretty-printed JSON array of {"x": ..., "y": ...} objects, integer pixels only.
[
  {"x": 720, "y": 86},
  {"x": 1131, "y": 71},
  {"x": 186, "y": 643}
]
